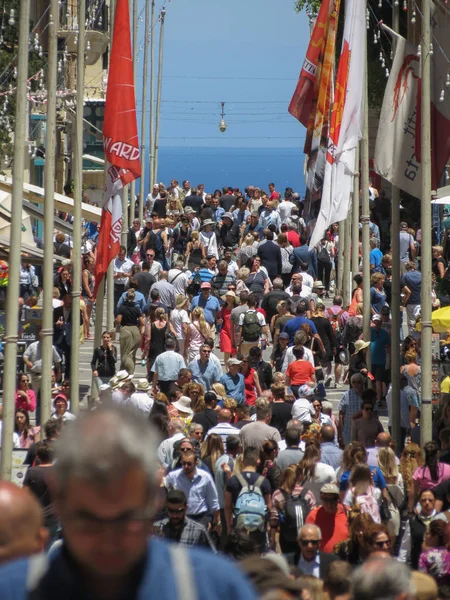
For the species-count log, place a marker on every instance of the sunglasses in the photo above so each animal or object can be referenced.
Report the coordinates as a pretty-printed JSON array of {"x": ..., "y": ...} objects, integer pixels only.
[
  {"x": 187, "y": 464},
  {"x": 176, "y": 511},
  {"x": 329, "y": 498},
  {"x": 308, "y": 542},
  {"x": 367, "y": 408}
]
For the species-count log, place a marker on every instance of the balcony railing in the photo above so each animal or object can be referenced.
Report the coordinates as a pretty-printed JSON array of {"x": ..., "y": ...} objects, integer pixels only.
[{"x": 97, "y": 16}]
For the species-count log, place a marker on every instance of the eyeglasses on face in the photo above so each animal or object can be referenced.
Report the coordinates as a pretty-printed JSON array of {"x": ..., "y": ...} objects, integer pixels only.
[
  {"x": 309, "y": 542},
  {"x": 186, "y": 449},
  {"x": 187, "y": 464},
  {"x": 176, "y": 511},
  {"x": 329, "y": 498}
]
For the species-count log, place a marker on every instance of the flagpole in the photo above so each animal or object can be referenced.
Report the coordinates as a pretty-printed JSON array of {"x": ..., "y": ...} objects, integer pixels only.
[
  {"x": 355, "y": 217},
  {"x": 365, "y": 211},
  {"x": 162, "y": 17},
  {"x": 144, "y": 111},
  {"x": 152, "y": 94},
  {"x": 340, "y": 269},
  {"x": 346, "y": 261},
  {"x": 78, "y": 192},
  {"x": 135, "y": 45},
  {"x": 395, "y": 289},
  {"x": 12, "y": 295},
  {"x": 426, "y": 223},
  {"x": 49, "y": 204}
]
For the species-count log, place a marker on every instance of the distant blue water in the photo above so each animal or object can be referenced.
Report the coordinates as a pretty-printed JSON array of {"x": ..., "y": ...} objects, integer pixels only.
[{"x": 238, "y": 167}]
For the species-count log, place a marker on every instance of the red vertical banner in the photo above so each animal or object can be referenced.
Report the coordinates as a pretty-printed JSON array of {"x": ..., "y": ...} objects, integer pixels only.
[{"x": 120, "y": 140}]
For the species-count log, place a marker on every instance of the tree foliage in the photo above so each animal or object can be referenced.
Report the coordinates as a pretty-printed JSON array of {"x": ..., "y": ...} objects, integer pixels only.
[{"x": 8, "y": 62}]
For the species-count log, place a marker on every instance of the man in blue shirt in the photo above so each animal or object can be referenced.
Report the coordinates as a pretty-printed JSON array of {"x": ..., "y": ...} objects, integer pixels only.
[
  {"x": 380, "y": 342},
  {"x": 210, "y": 304},
  {"x": 204, "y": 370},
  {"x": 376, "y": 256},
  {"x": 233, "y": 381},
  {"x": 105, "y": 483},
  {"x": 292, "y": 326}
]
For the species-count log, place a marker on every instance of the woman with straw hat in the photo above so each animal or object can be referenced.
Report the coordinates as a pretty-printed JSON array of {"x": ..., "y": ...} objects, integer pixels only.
[
  {"x": 358, "y": 359},
  {"x": 180, "y": 321}
]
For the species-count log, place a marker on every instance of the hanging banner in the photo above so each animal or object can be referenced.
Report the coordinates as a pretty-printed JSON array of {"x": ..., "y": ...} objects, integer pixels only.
[
  {"x": 120, "y": 140},
  {"x": 346, "y": 122}
]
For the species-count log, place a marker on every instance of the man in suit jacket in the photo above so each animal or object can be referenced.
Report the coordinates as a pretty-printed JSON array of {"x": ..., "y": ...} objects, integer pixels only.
[
  {"x": 308, "y": 558},
  {"x": 62, "y": 330},
  {"x": 304, "y": 253},
  {"x": 270, "y": 255}
]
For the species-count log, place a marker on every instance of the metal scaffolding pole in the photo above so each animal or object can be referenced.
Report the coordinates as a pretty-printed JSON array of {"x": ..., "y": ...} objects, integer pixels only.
[
  {"x": 426, "y": 223},
  {"x": 346, "y": 291},
  {"x": 355, "y": 217},
  {"x": 162, "y": 18},
  {"x": 135, "y": 45},
  {"x": 144, "y": 111},
  {"x": 124, "y": 234},
  {"x": 340, "y": 269},
  {"x": 365, "y": 212},
  {"x": 49, "y": 205},
  {"x": 12, "y": 296},
  {"x": 395, "y": 299},
  {"x": 77, "y": 197},
  {"x": 152, "y": 99}
]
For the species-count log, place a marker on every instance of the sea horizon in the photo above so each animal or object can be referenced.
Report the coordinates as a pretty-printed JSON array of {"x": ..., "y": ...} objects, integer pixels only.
[{"x": 238, "y": 167}]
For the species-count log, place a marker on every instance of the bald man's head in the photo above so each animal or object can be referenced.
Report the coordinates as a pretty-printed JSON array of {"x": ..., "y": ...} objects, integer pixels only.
[
  {"x": 22, "y": 531},
  {"x": 224, "y": 416},
  {"x": 383, "y": 440}
]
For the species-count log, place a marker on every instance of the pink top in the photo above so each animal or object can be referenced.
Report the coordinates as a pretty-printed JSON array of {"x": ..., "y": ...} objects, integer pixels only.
[
  {"x": 22, "y": 403},
  {"x": 423, "y": 477}
]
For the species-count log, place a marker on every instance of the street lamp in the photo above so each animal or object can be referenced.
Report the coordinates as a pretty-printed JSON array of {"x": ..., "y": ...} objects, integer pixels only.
[{"x": 222, "y": 124}]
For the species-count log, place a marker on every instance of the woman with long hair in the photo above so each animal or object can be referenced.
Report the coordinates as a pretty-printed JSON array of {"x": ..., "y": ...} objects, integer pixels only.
[
  {"x": 363, "y": 493},
  {"x": 195, "y": 252},
  {"x": 376, "y": 539},
  {"x": 355, "y": 454},
  {"x": 180, "y": 321},
  {"x": 63, "y": 282},
  {"x": 258, "y": 281},
  {"x": 357, "y": 294},
  {"x": 155, "y": 337},
  {"x": 395, "y": 488},
  {"x": 159, "y": 418},
  {"x": 410, "y": 460},
  {"x": 431, "y": 474},
  {"x": 267, "y": 466},
  {"x": 286, "y": 252},
  {"x": 288, "y": 487},
  {"x": 411, "y": 370},
  {"x": 27, "y": 435},
  {"x": 198, "y": 331},
  {"x": 252, "y": 387},
  {"x": 210, "y": 450},
  {"x": 247, "y": 251},
  {"x": 353, "y": 550},
  {"x": 87, "y": 291},
  {"x": 241, "y": 278},
  {"x": 312, "y": 473},
  {"x": 435, "y": 557},
  {"x": 224, "y": 321},
  {"x": 25, "y": 397},
  {"x": 196, "y": 392},
  {"x": 326, "y": 334}
]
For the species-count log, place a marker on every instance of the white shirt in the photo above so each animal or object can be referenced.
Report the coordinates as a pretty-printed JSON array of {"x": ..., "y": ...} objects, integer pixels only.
[
  {"x": 122, "y": 266},
  {"x": 16, "y": 438},
  {"x": 285, "y": 208},
  {"x": 155, "y": 268},
  {"x": 303, "y": 410},
  {"x": 260, "y": 317},
  {"x": 141, "y": 401},
  {"x": 310, "y": 567},
  {"x": 224, "y": 430},
  {"x": 67, "y": 416},
  {"x": 209, "y": 240},
  {"x": 322, "y": 474},
  {"x": 307, "y": 280},
  {"x": 290, "y": 358},
  {"x": 179, "y": 280},
  {"x": 178, "y": 318}
]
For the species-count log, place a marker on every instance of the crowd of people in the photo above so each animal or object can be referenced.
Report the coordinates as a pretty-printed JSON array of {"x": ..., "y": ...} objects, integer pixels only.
[{"x": 239, "y": 451}]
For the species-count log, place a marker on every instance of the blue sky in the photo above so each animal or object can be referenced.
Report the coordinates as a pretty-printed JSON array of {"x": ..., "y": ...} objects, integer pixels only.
[{"x": 246, "y": 53}]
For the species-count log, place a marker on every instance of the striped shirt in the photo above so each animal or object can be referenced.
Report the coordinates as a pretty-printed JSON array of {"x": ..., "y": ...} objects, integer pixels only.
[{"x": 224, "y": 430}]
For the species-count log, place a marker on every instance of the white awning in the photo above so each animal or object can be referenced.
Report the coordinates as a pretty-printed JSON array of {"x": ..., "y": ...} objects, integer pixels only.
[{"x": 34, "y": 193}]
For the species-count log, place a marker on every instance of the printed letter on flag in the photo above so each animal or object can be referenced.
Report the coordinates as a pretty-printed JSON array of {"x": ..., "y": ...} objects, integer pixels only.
[
  {"x": 397, "y": 150},
  {"x": 346, "y": 122},
  {"x": 120, "y": 140}
]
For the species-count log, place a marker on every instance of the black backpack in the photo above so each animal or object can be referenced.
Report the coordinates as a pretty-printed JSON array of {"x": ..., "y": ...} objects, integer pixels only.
[
  {"x": 251, "y": 329},
  {"x": 296, "y": 509},
  {"x": 194, "y": 287}
]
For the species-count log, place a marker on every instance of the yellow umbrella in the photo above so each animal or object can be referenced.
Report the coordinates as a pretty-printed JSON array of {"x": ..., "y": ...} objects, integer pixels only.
[{"x": 440, "y": 320}]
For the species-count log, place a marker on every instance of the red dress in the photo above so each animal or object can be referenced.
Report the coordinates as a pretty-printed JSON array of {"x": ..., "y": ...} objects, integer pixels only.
[
  {"x": 250, "y": 388},
  {"x": 225, "y": 332}
]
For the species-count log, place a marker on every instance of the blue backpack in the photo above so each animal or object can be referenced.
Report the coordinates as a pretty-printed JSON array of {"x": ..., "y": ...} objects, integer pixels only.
[{"x": 250, "y": 509}]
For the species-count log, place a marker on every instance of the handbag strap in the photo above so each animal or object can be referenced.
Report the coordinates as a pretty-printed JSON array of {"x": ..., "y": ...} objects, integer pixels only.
[{"x": 182, "y": 571}]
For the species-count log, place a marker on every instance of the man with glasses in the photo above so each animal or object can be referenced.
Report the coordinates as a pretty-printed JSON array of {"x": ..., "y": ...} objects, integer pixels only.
[
  {"x": 254, "y": 226},
  {"x": 209, "y": 303},
  {"x": 330, "y": 518},
  {"x": 204, "y": 370},
  {"x": 309, "y": 559},
  {"x": 155, "y": 267},
  {"x": 199, "y": 489},
  {"x": 105, "y": 480},
  {"x": 178, "y": 527}
]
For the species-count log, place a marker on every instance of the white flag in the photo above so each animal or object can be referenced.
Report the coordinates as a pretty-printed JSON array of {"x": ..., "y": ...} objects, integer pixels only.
[{"x": 346, "y": 123}]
